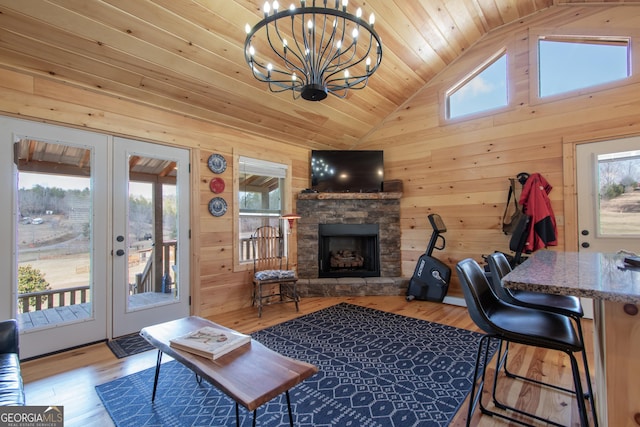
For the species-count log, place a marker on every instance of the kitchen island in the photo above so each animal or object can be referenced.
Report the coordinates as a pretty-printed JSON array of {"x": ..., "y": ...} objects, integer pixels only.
[{"x": 614, "y": 287}]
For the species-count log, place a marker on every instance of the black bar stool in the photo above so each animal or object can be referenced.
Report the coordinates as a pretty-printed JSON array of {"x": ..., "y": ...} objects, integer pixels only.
[
  {"x": 565, "y": 305},
  {"x": 514, "y": 324}
]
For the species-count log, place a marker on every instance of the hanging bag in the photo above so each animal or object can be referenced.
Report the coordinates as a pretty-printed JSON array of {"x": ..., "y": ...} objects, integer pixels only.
[{"x": 509, "y": 223}]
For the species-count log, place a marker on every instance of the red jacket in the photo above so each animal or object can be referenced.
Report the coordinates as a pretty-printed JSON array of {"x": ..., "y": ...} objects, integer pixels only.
[{"x": 535, "y": 202}]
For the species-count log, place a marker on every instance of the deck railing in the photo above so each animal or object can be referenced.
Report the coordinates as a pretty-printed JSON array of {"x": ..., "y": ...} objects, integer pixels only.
[
  {"x": 41, "y": 300},
  {"x": 147, "y": 280},
  {"x": 246, "y": 249}
]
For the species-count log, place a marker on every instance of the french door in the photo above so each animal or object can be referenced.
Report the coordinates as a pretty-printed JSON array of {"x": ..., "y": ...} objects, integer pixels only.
[
  {"x": 56, "y": 269},
  {"x": 150, "y": 235},
  {"x": 92, "y": 224}
]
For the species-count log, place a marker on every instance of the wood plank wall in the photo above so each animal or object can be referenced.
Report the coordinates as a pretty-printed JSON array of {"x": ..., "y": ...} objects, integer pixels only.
[
  {"x": 216, "y": 287},
  {"x": 460, "y": 170}
]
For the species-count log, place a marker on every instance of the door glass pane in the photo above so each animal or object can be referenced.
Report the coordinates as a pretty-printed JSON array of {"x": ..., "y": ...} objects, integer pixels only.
[
  {"x": 53, "y": 233},
  {"x": 619, "y": 194},
  {"x": 152, "y": 232}
]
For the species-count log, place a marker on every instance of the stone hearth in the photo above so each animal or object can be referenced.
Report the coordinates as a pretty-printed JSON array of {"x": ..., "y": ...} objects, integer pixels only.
[
  {"x": 349, "y": 208},
  {"x": 352, "y": 286}
]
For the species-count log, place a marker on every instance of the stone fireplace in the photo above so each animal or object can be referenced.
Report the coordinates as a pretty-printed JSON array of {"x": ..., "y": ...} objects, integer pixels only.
[{"x": 337, "y": 211}]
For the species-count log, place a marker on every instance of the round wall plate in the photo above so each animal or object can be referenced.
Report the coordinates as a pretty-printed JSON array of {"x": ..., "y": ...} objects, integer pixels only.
[
  {"x": 217, "y": 163},
  {"x": 217, "y": 206},
  {"x": 217, "y": 185}
]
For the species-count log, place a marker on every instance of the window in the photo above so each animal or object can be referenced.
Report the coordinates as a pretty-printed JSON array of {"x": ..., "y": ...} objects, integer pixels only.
[
  {"x": 260, "y": 199},
  {"x": 483, "y": 90},
  {"x": 569, "y": 63},
  {"x": 619, "y": 194}
]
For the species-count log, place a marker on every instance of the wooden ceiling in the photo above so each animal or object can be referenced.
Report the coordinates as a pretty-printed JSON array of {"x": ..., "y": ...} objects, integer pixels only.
[{"x": 187, "y": 56}]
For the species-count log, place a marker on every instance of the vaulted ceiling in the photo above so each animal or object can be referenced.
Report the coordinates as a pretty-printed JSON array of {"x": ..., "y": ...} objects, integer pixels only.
[{"x": 187, "y": 56}]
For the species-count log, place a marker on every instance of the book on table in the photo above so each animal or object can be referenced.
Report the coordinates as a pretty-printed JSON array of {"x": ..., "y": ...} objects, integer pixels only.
[{"x": 210, "y": 342}]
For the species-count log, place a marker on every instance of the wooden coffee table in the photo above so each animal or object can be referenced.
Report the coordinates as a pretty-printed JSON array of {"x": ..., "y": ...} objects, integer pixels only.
[{"x": 250, "y": 375}]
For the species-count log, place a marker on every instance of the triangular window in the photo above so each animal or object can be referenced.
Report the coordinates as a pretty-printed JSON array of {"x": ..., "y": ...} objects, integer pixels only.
[{"x": 483, "y": 90}]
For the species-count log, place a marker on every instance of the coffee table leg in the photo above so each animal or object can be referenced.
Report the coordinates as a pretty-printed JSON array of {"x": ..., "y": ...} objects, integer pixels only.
[
  {"x": 289, "y": 408},
  {"x": 237, "y": 416},
  {"x": 155, "y": 380}
]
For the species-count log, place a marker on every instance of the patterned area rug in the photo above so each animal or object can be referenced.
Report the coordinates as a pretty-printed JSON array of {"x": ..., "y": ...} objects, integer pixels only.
[
  {"x": 128, "y": 345},
  {"x": 376, "y": 369}
]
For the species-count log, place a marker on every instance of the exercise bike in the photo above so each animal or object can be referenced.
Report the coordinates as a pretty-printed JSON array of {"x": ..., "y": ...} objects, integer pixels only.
[{"x": 430, "y": 280}]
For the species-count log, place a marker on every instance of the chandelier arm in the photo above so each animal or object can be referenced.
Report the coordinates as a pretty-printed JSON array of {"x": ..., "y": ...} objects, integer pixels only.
[
  {"x": 268, "y": 77},
  {"x": 287, "y": 63},
  {"x": 354, "y": 82},
  {"x": 372, "y": 68},
  {"x": 329, "y": 47},
  {"x": 354, "y": 48},
  {"x": 305, "y": 50},
  {"x": 341, "y": 66}
]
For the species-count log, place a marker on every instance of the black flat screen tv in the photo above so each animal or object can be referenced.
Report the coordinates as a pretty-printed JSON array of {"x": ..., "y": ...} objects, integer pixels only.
[{"x": 347, "y": 171}]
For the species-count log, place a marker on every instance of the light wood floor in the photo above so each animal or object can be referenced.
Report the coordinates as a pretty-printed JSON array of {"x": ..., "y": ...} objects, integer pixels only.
[{"x": 69, "y": 378}]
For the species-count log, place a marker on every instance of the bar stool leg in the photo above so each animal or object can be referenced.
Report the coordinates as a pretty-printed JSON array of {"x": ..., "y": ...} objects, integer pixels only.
[{"x": 587, "y": 374}]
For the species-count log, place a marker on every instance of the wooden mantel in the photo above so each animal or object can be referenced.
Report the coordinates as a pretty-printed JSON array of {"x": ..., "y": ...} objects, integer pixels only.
[{"x": 349, "y": 196}]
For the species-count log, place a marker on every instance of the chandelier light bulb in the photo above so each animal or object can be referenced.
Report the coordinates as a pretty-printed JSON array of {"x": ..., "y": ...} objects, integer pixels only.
[
  {"x": 276, "y": 6},
  {"x": 247, "y": 28},
  {"x": 252, "y": 51},
  {"x": 266, "y": 9},
  {"x": 359, "y": 13},
  {"x": 354, "y": 33},
  {"x": 310, "y": 24},
  {"x": 372, "y": 19},
  {"x": 346, "y": 74}
]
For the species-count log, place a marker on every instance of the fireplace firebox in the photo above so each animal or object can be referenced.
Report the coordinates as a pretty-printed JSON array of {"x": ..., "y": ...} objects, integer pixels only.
[{"x": 348, "y": 250}]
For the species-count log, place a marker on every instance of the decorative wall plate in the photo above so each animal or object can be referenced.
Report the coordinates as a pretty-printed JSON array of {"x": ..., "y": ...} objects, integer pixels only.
[
  {"x": 217, "y": 163},
  {"x": 217, "y": 206},
  {"x": 217, "y": 185}
]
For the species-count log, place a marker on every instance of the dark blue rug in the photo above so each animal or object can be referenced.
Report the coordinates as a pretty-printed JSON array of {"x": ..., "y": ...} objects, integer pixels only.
[{"x": 375, "y": 369}]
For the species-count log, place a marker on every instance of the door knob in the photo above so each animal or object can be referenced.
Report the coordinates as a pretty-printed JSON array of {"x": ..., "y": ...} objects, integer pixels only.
[
  {"x": 120, "y": 238},
  {"x": 585, "y": 245},
  {"x": 120, "y": 252},
  {"x": 585, "y": 232}
]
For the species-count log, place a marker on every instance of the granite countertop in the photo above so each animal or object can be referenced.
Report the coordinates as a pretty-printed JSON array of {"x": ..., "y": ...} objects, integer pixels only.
[{"x": 583, "y": 274}]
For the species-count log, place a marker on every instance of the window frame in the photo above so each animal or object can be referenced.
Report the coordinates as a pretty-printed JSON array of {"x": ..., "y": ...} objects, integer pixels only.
[
  {"x": 536, "y": 34},
  {"x": 286, "y": 195}
]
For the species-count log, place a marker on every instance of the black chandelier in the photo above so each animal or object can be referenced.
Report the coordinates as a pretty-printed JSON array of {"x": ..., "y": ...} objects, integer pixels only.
[{"x": 313, "y": 51}]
